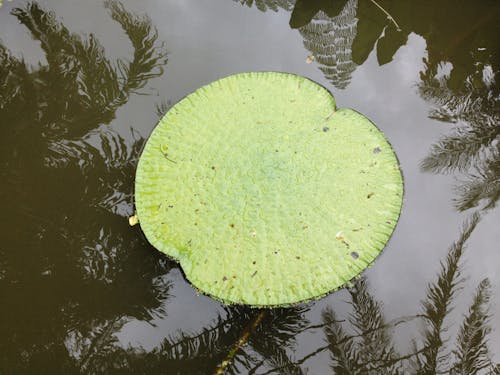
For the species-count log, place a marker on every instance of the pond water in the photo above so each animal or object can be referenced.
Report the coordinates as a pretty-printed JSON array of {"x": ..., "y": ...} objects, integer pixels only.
[{"x": 83, "y": 83}]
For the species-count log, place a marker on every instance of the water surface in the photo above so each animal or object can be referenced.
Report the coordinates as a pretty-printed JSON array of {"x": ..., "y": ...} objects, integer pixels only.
[{"x": 82, "y": 84}]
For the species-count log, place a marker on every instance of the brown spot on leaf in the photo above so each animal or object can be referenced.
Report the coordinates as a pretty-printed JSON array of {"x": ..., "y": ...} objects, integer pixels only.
[
  {"x": 376, "y": 150},
  {"x": 354, "y": 254}
]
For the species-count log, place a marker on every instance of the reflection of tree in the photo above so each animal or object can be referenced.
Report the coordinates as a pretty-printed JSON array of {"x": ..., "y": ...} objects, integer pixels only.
[
  {"x": 473, "y": 147},
  {"x": 369, "y": 349},
  {"x": 329, "y": 39},
  {"x": 343, "y": 35},
  {"x": 71, "y": 270},
  {"x": 374, "y": 345},
  {"x": 201, "y": 353},
  {"x": 265, "y": 346},
  {"x": 264, "y": 5}
]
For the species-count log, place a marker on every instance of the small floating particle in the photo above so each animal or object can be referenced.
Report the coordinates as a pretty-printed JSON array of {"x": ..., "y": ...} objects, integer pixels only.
[
  {"x": 310, "y": 59},
  {"x": 253, "y": 274},
  {"x": 339, "y": 236},
  {"x": 326, "y": 128},
  {"x": 376, "y": 150},
  {"x": 354, "y": 254},
  {"x": 224, "y": 278},
  {"x": 231, "y": 225},
  {"x": 133, "y": 220},
  {"x": 253, "y": 233},
  {"x": 370, "y": 195}
]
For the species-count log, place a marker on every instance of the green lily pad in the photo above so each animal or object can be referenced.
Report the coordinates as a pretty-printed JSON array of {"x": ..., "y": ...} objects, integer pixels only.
[{"x": 264, "y": 192}]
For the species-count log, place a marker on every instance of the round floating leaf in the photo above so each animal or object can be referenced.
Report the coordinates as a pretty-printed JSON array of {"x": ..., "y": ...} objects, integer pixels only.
[{"x": 264, "y": 192}]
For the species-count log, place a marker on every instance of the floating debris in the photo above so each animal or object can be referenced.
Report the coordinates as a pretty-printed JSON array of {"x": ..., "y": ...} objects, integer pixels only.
[{"x": 310, "y": 59}]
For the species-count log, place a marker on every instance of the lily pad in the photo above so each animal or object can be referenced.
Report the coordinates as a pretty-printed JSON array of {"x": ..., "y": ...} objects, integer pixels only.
[{"x": 264, "y": 192}]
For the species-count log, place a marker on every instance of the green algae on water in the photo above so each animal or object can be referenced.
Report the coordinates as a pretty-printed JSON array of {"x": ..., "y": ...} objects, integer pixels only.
[{"x": 264, "y": 192}]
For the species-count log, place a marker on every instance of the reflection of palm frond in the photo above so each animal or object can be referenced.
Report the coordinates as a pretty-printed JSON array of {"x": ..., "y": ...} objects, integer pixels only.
[
  {"x": 472, "y": 350},
  {"x": 472, "y": 149},
  {"x": 111, "y": 156},
  {"x": 330, "y": 41},
  {"x": 367, "y": 318},
  {"x": 280, "y": 362},
  {"x": 481, "y": 185},
  {"x": 466, "y": 148},
  {"x": 14, "y": 80},
  {"x": 74, "y": 184},
  {"x": 98, "y": 345},
  {"x": 436, "y": 306},
  {"x": 264, "y": 5},
  {"x": 149, "y": 57},
  {"x": 88, "y": 87},
  {"x": 162, "y": 108},
  {"x": 77, "y": 68},
  {"x": 345, "y": 357},
  {"x": 275, "y": 330}
]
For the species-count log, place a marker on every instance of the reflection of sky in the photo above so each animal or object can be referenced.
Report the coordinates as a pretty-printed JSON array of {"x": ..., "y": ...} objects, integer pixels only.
[{"x": 208, "y": 40}]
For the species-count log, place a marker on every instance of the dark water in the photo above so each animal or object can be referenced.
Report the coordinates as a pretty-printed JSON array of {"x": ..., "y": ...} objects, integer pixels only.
[{"x": 82, "y": 83}]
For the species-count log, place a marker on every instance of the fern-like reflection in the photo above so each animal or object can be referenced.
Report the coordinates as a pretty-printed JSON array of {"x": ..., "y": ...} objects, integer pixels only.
[
  {"x": 264, "y": 5},
  {"x": 471, "y": 151},
  {"x": 72, "y": 272}
]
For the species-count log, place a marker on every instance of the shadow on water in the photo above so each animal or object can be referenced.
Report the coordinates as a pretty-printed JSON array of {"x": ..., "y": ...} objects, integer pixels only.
[
  {"x": 72, "y": 273},
  {"x": 71, "y": 269}
]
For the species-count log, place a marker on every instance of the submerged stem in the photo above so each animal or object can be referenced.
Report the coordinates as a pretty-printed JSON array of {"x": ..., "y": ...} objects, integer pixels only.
[
  {"x": 241, "y": 341},
  {"x": 387, "y": 14}
]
